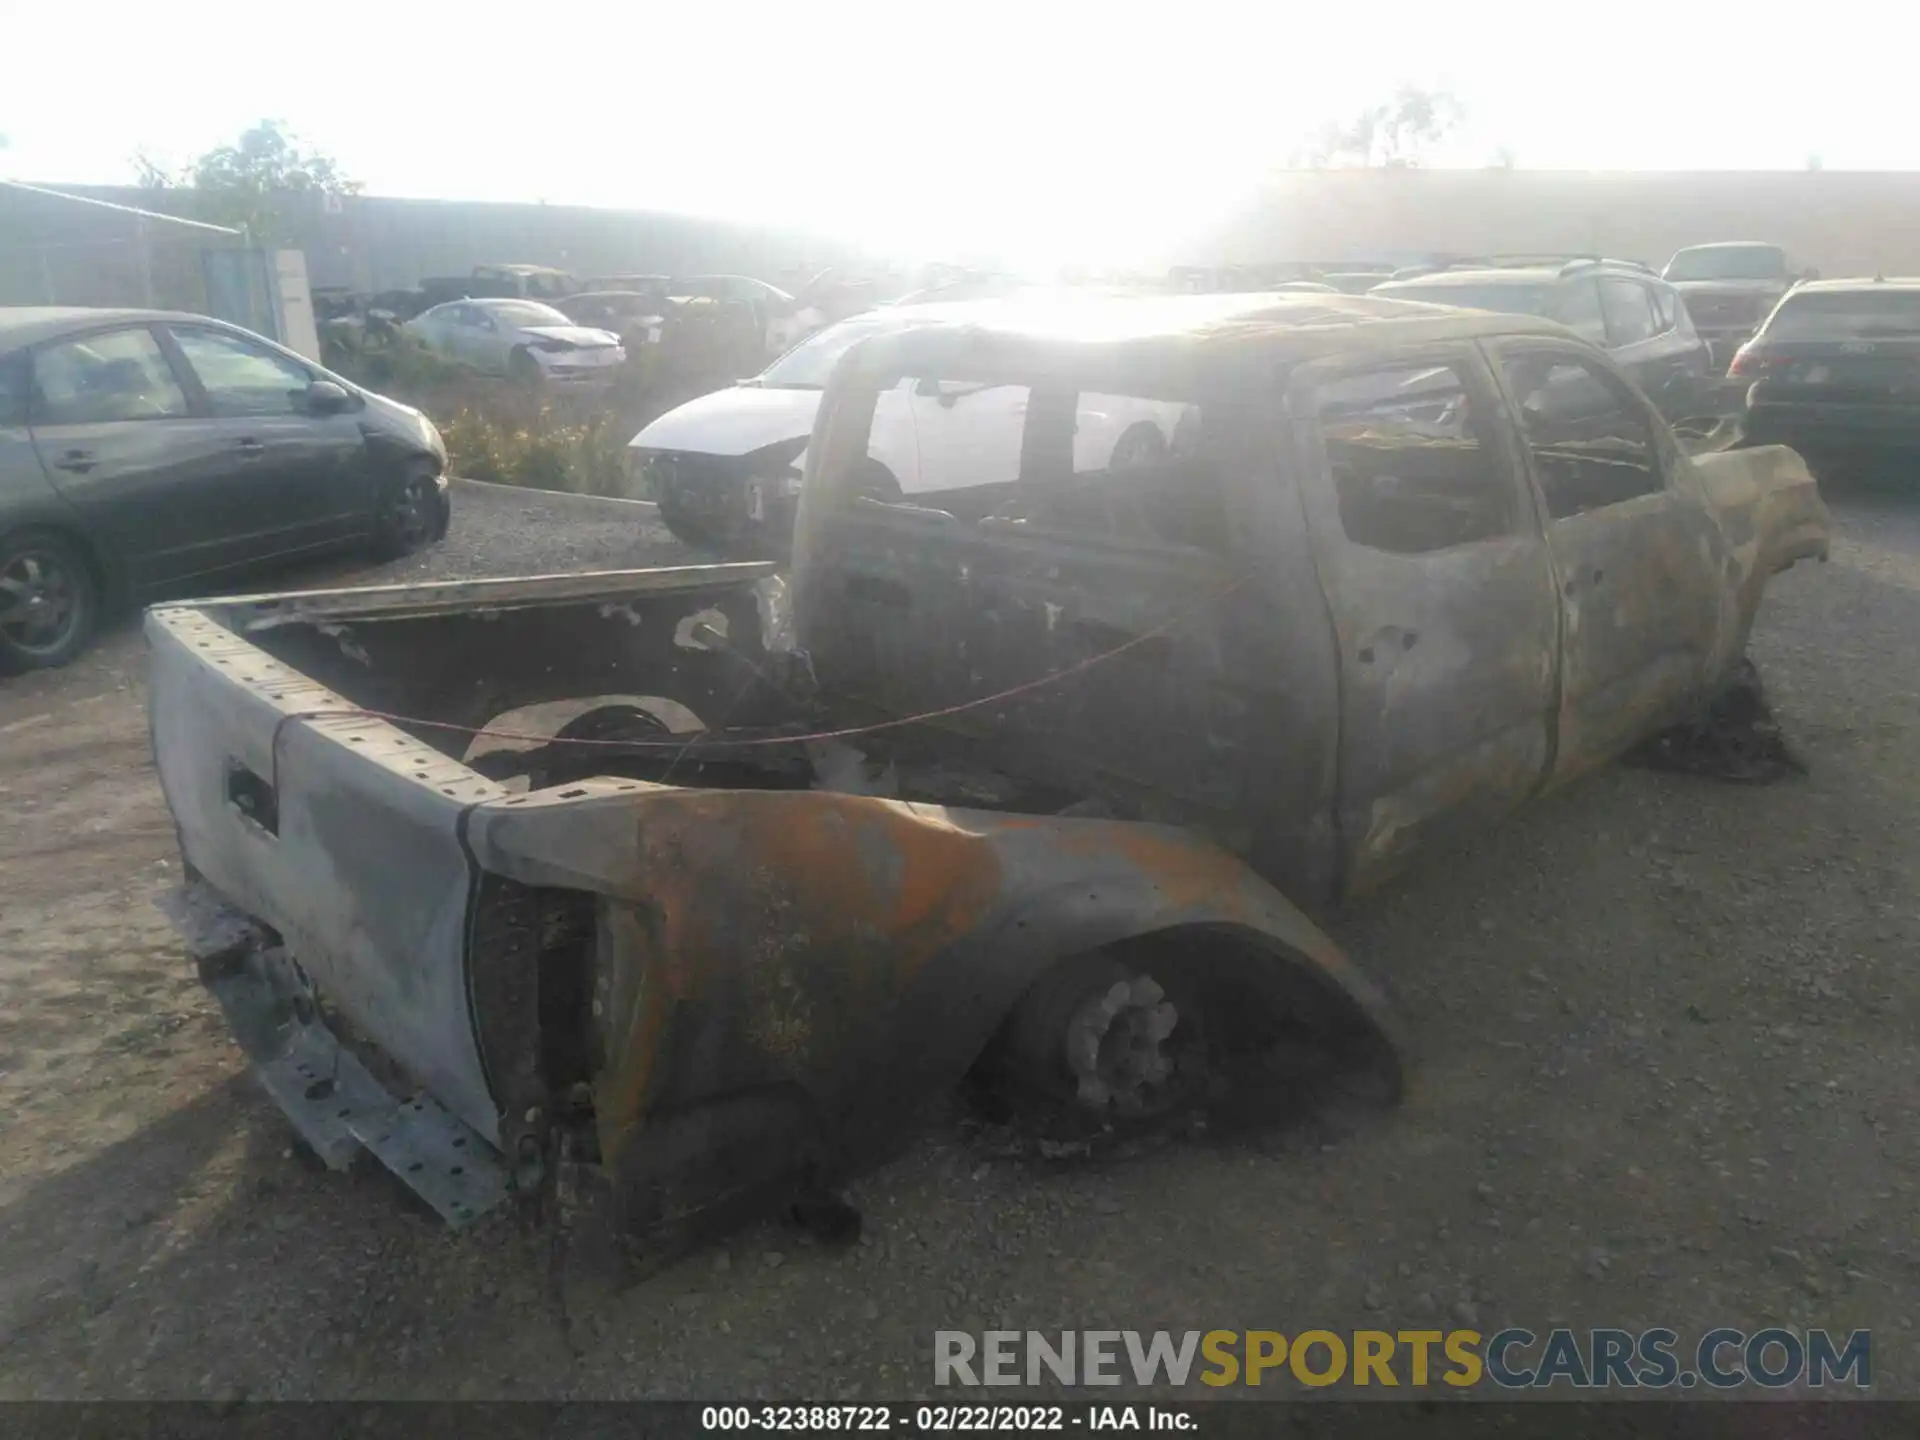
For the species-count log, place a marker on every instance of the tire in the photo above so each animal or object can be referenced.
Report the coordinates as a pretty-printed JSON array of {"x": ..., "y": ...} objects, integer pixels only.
[
  {"x": 1143, "y": 444},
  {"x": 49, "y": 601},
  {"x": 523, "y": 369},
  {"x": 408, "y": 516}
]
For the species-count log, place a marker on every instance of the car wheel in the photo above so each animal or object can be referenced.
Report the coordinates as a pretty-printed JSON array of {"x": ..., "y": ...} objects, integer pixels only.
[
  {"x": 523, "y": 369},
  {"x": 1143, "y": 444},
  {"x": 49, "y": 601},
  {"x": 409, "y": 514},
  {"x": 1097, "y": 1043}
]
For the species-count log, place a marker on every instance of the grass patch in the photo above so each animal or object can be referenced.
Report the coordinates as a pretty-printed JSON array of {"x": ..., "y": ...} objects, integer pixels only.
[{"x": 545, "y": 438}]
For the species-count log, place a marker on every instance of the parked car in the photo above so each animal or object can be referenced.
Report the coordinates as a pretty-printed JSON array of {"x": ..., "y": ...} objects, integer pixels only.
[
  {"x": 1730, "y": 286},
  {"x": 726, "y": 467},
  {"x": 521, "y": 339},
  {"x": 1633, "y": 315},
  {"x": 529, "y": 282},
  {"x": 1036, "y": 781},
  {"x": 660, "y": 284},
  {"x": 984, "y": 285},
  {"x": 439, "y": 289},
  {"x": 1835, "y": 370},
  {"x": 781, "y": 319},
  {"x": 636, "y": 315},
  {"x": 1355, "y": 282},
  {"x": 142, "y": 452}
]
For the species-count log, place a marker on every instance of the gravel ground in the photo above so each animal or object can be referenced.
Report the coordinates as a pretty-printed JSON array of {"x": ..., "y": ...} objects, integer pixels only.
[
  {"x": 1662, "y": 1074},
  {"x": 500, "y": 530}
]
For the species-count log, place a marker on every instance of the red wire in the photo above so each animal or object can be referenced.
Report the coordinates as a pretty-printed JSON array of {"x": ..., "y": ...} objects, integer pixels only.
[{"x": 687, "y": 742}]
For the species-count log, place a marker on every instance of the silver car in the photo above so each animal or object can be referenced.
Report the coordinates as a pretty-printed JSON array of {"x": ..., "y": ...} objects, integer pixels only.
[{"x": 521, "y": 339}]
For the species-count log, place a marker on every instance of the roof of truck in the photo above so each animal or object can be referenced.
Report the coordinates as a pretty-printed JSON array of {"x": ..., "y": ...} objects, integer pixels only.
[
  {"x": 1300, "y": 324},
  {"x": 1858, "y": 282},
  {"x": 1500, "y": 275}
]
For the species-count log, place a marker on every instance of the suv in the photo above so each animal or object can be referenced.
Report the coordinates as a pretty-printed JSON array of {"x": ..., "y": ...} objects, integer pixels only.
[
  {"x": 1621, "y": 306},
  {"x": 1835, "y": 370},
  {"x": 1730, "y": 286}
]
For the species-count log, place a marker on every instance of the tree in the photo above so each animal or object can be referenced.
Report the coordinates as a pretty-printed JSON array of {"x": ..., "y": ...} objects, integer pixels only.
[
  {"x": 248, "y": 183},
  {"x": 1396, "y": 133}
]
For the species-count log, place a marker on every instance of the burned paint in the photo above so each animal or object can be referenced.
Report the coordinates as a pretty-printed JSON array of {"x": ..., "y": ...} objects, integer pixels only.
[
  {"x": 853, "y": 956},
  {"x": 760, "y": 976}
]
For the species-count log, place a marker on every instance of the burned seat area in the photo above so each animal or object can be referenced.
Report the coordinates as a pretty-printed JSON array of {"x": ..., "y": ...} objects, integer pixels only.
[
  {"x": 1066, "y": 541},
  {"x": 1410, "y": 451},
  {"x": 1052, "y": 459}
]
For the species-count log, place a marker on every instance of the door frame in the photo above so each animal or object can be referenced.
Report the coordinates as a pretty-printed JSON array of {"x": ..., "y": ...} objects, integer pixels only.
[
  {"x": 1675, "y": 491},
  {"x": 341, "y": 519},
  {"x": 1372, "y": 853},
  {"x": 131, "y": 565}
]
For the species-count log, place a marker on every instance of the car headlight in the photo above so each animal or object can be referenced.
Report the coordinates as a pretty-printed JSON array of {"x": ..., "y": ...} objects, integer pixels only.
[{"x": 778, "y": 466}]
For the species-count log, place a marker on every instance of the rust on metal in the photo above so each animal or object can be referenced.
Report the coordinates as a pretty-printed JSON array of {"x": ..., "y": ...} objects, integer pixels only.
[{"x": 816, "y": 966}]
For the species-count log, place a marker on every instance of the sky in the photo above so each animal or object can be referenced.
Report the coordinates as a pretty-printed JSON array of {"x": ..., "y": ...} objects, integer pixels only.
[{"x": 1049, "y": 130}]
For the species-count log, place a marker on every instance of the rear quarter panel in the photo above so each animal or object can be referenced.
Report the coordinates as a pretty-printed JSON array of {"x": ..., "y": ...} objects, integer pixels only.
[
  {"x": 29, "y": 500},
  {"x": 1769, "y": 508}
]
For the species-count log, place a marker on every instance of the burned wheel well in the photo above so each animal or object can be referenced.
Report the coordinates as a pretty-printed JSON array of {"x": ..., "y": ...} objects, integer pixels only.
[
  {"x": 1263, "y": 991},
  {"x": 1267, "y": 1027}
]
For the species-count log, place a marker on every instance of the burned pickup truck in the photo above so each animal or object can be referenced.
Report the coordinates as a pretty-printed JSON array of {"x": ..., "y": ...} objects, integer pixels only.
[{"x": 703, "y": 881}]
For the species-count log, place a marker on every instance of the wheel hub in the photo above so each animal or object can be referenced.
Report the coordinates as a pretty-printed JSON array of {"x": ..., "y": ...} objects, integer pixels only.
[
  {"x": 410, "y": 511},
  {"x": 36, "y": 601},
  {"x": 1117, "y": 1047}
]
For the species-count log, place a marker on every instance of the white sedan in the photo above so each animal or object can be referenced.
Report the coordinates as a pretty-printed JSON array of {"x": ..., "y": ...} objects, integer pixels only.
[{"x": 522, "y": 339}]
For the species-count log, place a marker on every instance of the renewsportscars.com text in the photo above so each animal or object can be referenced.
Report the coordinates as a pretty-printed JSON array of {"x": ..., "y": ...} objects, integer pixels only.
[{"x": 1509, "y": 1359}]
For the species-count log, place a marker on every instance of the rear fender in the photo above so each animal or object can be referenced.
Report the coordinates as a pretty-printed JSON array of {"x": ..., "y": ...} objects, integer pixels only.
[
  {"x": 1769, "y": 509},
  {"x": 782, "y": 980}
]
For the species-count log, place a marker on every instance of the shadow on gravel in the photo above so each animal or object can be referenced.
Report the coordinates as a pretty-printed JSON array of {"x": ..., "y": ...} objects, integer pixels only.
[
  {"x": 202, "y": 1257},
  {"x": 71, "y": 1245}
]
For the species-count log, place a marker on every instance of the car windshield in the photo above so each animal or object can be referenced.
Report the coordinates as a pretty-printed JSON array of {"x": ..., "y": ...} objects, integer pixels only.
[
  {"x": 526, "y": 312},
  {"x": 808, "y": 365},
  {"x": 1501, "y": 299},
  {"x": 1846, "y": 314},
  {"x": 1728, "y": 262}
]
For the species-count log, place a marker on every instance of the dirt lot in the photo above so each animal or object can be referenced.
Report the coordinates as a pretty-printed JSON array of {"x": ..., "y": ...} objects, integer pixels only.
[{"x": 1664, "y": 1074}]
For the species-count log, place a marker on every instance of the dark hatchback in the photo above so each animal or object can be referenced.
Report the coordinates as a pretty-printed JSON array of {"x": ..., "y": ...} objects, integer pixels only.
[
  {"x": 1624, "y": 308},
  {"x": 1835, "y": 370},
  {"x": 145, "y": 453}
]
